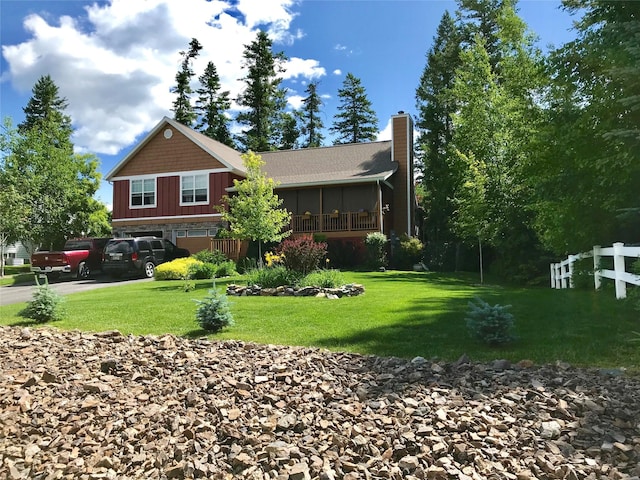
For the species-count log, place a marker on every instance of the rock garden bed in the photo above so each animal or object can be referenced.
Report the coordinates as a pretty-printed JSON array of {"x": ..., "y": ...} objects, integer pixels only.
[
  {"x": 349, "y": 290},
  {"x": 77, "y": 405}
]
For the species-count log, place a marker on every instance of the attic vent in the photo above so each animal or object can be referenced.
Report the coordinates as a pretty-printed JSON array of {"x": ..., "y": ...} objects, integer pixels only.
[{"x": 168, "y": 133}]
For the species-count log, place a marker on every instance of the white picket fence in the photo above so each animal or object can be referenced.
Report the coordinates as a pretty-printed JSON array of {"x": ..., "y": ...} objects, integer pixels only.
[{"x": 561, "y": 273}]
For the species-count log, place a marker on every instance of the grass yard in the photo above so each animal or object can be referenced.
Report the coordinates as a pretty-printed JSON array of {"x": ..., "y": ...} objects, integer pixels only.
[{"x": 402, "y": 313}]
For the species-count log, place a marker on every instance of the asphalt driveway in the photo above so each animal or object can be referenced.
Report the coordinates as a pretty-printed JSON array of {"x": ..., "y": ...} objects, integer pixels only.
[{"x": 23, "y": 293}]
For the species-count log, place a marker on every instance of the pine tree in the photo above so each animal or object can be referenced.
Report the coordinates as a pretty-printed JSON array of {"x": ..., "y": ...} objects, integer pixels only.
[
  {"x": 46, "y": 107},
  {"x": 211, "y": 105},
  {"x": 288, "y": 131},
  {"x": 356, "y": 121},
  {"x": 263, "y": 98},
  {"x": 182, "y": 108},
  {"x": 440, "y": 170},
  {"x": 310, "y": 117}
]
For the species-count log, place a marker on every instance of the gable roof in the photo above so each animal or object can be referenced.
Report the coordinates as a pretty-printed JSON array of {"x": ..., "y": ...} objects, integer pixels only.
[
  {"x": 229, "y": 157},
  {"x": 339, "y": 164},
  {"x": 350, "y": 163}
]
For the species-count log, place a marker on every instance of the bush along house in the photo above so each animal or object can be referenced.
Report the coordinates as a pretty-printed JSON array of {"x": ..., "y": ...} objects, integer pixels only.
[{"x": 171, "y": 182}]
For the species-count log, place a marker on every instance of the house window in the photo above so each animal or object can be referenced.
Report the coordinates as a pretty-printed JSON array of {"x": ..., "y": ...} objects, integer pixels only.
[
  {"x": 143, "y": 192},
  {"x": 194, "y": 189},
  {"x": 181, "y": 233},
  {"x": 197, "y": 233}
]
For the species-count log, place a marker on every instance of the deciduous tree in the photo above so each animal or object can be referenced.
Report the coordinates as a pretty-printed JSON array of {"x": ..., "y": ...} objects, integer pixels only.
[{"x": 254, "y": 212}]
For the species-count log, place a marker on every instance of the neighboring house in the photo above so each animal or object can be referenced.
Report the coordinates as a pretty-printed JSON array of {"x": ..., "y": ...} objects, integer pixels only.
[
  {"x": 170, "y": 183},
  {"x": 16, "y": 254}
]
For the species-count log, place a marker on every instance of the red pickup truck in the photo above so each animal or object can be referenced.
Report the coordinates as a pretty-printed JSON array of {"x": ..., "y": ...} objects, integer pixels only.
[{"x": 79, "y": 257}]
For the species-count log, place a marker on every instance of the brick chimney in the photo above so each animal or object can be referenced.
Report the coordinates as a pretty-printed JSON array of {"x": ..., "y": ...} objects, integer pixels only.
[{"x": 403, "y": 183}]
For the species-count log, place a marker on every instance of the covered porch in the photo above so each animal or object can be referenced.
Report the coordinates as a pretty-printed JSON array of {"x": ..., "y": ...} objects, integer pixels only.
[{"x": 338, "y": 222}]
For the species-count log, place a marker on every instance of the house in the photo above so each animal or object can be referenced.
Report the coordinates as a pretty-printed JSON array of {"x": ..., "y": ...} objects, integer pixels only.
[{"x": 170, "y": 183}]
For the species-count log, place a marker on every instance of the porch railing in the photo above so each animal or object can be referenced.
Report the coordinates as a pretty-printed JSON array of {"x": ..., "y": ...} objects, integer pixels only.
[{"x": 335, "y": 222}]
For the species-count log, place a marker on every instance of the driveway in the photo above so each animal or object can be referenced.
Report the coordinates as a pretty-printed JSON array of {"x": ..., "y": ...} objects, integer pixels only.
[{"x": 23, "y": 293}]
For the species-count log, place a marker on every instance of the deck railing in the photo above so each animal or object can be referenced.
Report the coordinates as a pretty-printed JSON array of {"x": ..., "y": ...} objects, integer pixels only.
[{"x": 335, "y": 222}]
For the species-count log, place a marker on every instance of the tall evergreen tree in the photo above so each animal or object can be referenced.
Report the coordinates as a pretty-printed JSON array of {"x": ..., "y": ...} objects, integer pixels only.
[
  {"x": 182, "y": 108},
  {"x": 356, "y": 121},
  {"x": 262, "y": 97},
  {"x": 46, "y": 107},
  {"x": 588, "y": 170},
  {"x": 288, "y": 132},
  {"x": 440, "y": 170},
  {"x": 211, "y": 105},
  {"x": 310, "y": 117}
]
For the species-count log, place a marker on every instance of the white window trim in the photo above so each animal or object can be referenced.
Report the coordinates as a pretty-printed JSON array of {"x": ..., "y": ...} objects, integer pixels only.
[
  {"x": 194, "y": 175},
  {"x": 155, "y": 192}
]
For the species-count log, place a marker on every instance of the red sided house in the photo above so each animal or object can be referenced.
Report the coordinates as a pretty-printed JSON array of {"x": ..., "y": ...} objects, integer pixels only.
[{"x": 169, "y": 184}]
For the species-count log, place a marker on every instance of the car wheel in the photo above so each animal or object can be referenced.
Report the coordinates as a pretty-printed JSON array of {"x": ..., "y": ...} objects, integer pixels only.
[
  {"x": 83, "y": 270},
  {"x": 149, "y": 269}
]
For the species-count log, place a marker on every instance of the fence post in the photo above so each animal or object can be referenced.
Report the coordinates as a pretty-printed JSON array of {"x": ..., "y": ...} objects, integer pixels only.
[
  {"x": 571, "y": 259},
  {"x": 552, "y": 267},
  {"x": 597, "y": 278},
  {"x": 619, "y": 267}
]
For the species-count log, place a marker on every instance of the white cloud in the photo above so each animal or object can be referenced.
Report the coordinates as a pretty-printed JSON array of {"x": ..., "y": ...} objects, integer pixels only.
[
  {"x": 295, "y": 101},
  {"x": 116, "y": 67},
  {"x": 385, "y": 134},
  {"x": 337, "y": 72},
  {"x": 299, "y": 67}
]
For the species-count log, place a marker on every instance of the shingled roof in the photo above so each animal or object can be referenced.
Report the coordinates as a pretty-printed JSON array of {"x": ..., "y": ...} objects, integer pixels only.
[{"x": 352, "y": 163}]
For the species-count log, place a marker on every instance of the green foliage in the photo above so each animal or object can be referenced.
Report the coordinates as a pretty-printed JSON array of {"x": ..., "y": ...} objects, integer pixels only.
[
  {"x": 302, "y": 254},
  {"x": 178, "y": 269},
  {"x": 408, "y": 253},
  {"x": 582, "y": 277},
  {"x": 263, "y": 98},
  {"x": 213, "y": 313},
  {"x": 324, "y": 278},
  {"x": 212, "y": 105},
  {"x": 311, "y": 118},
  {"x": 247, "y": 264},
  {"x": 201, "y": 271},
  {"x": 355, "y": 121},
  {"x": 46, "y": 305},
  {"x": 182, "y": 108},
  {"x": 272, "y": 277},
  {"x": 376, "y": 244},
  {"x": 225, "y": 269},
  {"x": 490, "y": 324},
  {"x": 207, "y": 256},
  {"x": 255, "y": 212}
]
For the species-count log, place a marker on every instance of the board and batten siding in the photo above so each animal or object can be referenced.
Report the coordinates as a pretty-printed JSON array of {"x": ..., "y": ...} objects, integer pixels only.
[
  {"x": 168, "y": 198},
  {"x": 403, "y": 194}
]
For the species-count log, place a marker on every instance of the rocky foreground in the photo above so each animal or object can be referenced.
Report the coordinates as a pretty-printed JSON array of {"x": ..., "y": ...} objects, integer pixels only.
[{"x": 92, "y": 406}]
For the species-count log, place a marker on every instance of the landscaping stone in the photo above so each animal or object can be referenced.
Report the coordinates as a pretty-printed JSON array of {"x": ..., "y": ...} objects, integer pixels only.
[
  {"x": 109, "y": 406},
  {"x": 349, "y": 290}
]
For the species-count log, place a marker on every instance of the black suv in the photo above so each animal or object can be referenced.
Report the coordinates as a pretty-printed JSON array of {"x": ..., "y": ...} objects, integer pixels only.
[{"x": 138, "y": 255}]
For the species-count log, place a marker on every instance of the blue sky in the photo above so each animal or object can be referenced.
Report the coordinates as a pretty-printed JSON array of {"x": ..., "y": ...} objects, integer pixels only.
[{"x": 115, "y": 61}]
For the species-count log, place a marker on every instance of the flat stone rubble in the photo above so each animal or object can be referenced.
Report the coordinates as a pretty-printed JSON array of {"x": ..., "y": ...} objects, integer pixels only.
[{"x": 79, "y": 405}]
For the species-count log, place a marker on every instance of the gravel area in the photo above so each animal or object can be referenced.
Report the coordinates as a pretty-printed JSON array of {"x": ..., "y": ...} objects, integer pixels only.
[{"x": 78, "y": 405}]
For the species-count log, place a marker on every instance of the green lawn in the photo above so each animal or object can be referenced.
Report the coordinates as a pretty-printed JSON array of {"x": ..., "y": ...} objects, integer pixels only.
[{"x": 402, "y": 313}]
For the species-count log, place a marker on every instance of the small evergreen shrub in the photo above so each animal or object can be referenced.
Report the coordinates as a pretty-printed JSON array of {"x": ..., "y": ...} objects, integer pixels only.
[
  {"x": 376, "y": 244},
  {"x": 177, "y": 269},
  {"x": 302, "y": 254},
  {"x": 207, "y": 256},
  {"x": 491, "y": 324},
  {"x": 213, "y": 313},
  {"x": 272, "y": 277},
  {"x": 330, "y": 278},
  {"x": 46, "y": 305}
]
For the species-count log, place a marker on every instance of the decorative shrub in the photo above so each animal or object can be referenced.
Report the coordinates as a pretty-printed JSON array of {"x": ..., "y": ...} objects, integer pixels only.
[
  {"x": 582, "y": 277},
  {"x": 490, "y": 324},
  {"x": 323, "y": 278},
  {"x": 408, "y": 253},
  {"x": 345, "y": 253},
  {"x": 201, "y": 271},
  {"x": 272, "y": 277},
  {"x": 302, "y": 254},
  {"x": 46, "y": 305},
  {"x": 247, "y": 264},
  {"x": 225, "y": 269},
  {"x": 376, "y": 244},
  {"x": 177, "y": 269},
  {"x": 207, "y": 256},
  {"x": 213, "y": 313}
]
